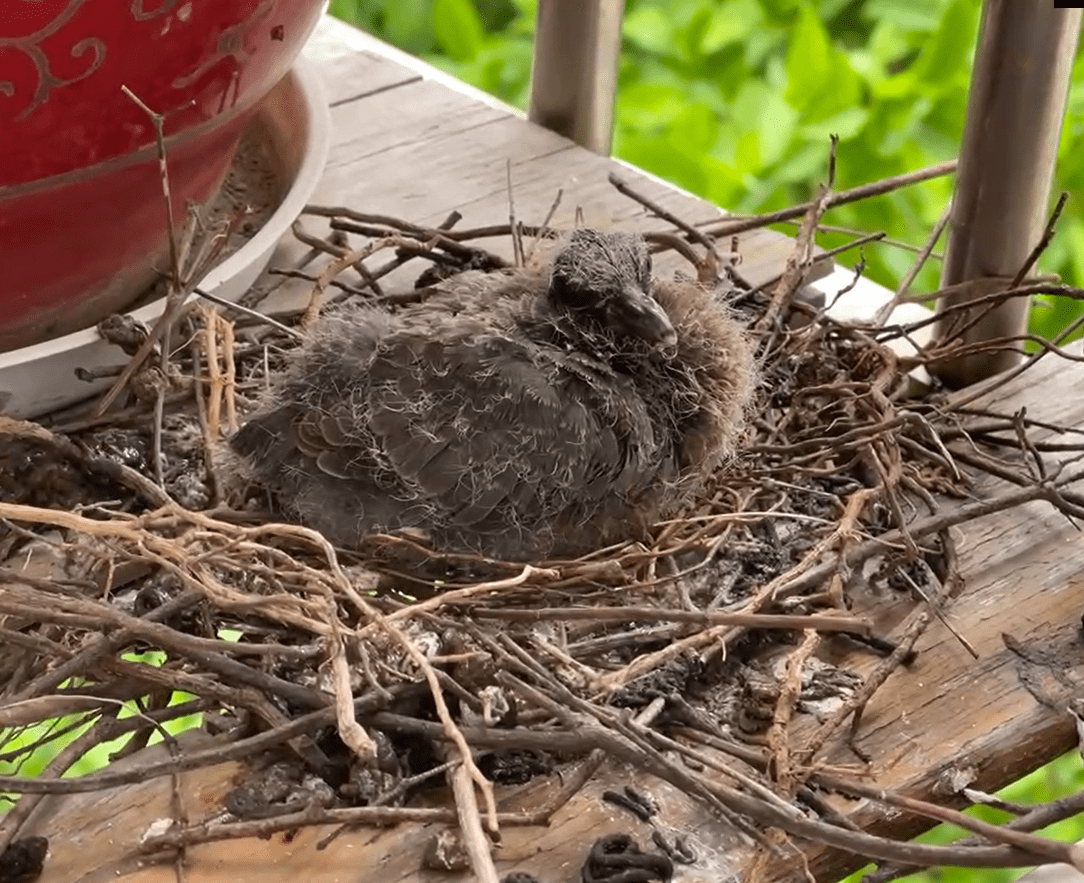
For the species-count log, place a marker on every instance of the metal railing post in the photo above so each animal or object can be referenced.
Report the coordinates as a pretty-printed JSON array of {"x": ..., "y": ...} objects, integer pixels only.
[
  {"x": 1023, "y": 66},
  {"x": 574, "y": 75}
]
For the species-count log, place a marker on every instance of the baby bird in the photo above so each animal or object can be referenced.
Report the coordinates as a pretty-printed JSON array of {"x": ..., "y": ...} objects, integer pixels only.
[{"x": 519, "y": 414}]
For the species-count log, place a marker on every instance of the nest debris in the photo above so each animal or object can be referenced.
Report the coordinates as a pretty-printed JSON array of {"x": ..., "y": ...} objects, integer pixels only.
[{"x": 353, "y": 681}]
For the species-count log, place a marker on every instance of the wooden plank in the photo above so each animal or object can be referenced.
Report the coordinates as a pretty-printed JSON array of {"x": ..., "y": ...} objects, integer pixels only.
[
  {"x": 418, "y": 144},
  {"x": 352, "y": 73},
  {"x": 451, "y": 153},
  {"x": 337, "y": 39},
  {"x": 422, "y": 149},
  {"x": 998, "y": 717}
]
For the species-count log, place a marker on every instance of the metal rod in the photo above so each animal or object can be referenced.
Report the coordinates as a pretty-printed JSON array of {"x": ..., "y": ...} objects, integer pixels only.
[
  {"x": 1019, "y": 88},
  {"x": 574, "y": 77}
]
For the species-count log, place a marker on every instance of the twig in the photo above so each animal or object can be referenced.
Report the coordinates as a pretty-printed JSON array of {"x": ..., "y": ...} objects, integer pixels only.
[
  {"x": 475, "y": 841},
  {"x": 829, "y": 623},
  {"x": 1037, "y": 817},
  {"x": 926, "y": 599},
  {"x": 728, "y": 227},
  {"x": 537, "y": 235},
  {"x": 801, "y": 257},
  {"x": 885, "y": 311},
  {"x": 230, "y": 380},
  {"x": 377, "y": 816},
  {"x": 174, "y": 300},
  {"x": 698, "y": 236},
  {"x": 350, "y": 731},
  {"x": 778, "y": 742},
  {"x": 517, "y": 236},
  {"x": 456, "y": 596},
  {"x": 251, "y": 313},
  {"x": 1044, "y": 241},
  {"x": 157, "y": 120}
]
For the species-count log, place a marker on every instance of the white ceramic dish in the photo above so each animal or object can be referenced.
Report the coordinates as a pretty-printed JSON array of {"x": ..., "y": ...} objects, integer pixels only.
[{"x": 41, "y": 378}]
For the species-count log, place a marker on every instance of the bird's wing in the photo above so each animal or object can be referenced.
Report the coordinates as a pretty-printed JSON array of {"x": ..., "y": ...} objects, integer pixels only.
[
  {"x": 490, "y": 425},
  {"x": 476, "y": 431},
  {"x": 313, "y": 416}
]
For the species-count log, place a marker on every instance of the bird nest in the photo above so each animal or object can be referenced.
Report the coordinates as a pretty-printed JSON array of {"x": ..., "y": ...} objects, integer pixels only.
[{"x": 357, "y": 682}]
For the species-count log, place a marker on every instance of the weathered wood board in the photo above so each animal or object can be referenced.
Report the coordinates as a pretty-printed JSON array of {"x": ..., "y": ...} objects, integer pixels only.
[{"x": 996, "y": 718}]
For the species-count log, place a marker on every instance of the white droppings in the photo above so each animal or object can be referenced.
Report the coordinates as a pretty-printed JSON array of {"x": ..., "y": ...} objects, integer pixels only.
[{"x": 156, "y": 829}]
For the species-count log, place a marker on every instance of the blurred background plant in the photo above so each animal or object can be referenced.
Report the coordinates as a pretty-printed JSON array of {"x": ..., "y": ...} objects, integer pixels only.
[
  {"x": 734, "y": 100},
  {"x": 28, "y": 750}
]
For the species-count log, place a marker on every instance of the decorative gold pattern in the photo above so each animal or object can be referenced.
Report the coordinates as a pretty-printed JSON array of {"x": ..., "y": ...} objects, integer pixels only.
[
  {"x": 140, "y": 14},
  {"x": 231, "y": 43},
  {"x": 30, "y": 46}
]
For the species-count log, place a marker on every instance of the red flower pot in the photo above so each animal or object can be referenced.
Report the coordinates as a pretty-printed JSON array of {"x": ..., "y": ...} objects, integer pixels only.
[{"x": 82, "y": 223}]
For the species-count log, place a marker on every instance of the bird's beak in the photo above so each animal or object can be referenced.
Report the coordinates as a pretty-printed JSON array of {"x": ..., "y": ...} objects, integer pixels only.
[{"x": 642, "y": 316}]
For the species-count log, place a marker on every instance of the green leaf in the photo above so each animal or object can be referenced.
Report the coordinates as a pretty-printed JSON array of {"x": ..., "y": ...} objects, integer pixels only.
[
  {"x": 888, "y": 43},
  {"x": 526, "y": 8},
  {"x": 663, "y": 158},
  {"x": 901, "y": 120},
  {"x": 458, "y": 28},
  {"x": 649, "y": 28},
  {"x": 922, "y": 16},
  {"x": 846, "y": 124},
  {"x": 1073, "y": 236},
  {"x": 808, "y": 166},
  {"x": 829, "y": 9},
  {"x": 347, "y": 10},
  {"x": 1051, "y": 315},
  {"x": 761, "y": 109},
  {"x": 652, "y": 105},
  {"x": 696, "y": 127},
  {"x": 731, "y": 22},
  {"x": 406, "y": 24},
  {"x": 820, "y": 79},
  {"x": 778, "y": 122},
  {"x": 782, "y": 11},
  {"x": 764, "y": 48},
  {"x": 748, "y": 151},
  {"x": 809, "y": 62},
  {"x": 945, "y": 59}
]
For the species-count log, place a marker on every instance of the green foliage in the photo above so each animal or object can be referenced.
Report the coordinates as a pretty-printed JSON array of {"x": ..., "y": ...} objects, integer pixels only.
[
  {"x": 1063, "y": 777},
  {"x": 27, "y": 751},
  {"x": 458, "y": 29},
  {"x": 734, "y": 100}
]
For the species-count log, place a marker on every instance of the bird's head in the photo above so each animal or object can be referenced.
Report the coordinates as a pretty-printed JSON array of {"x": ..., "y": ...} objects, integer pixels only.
[{"x": 608, "y": 276}]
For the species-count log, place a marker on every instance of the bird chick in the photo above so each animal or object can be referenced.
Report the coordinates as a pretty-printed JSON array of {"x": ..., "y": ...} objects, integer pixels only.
[{"x": 520, "y": 414}]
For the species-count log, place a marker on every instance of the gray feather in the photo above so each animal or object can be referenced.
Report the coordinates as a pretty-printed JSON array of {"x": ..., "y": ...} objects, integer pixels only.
[{"x": 517, "y": 413}]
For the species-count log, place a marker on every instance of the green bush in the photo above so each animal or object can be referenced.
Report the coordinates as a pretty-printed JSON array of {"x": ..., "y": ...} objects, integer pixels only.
[{"x": 734, "y": 100}]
